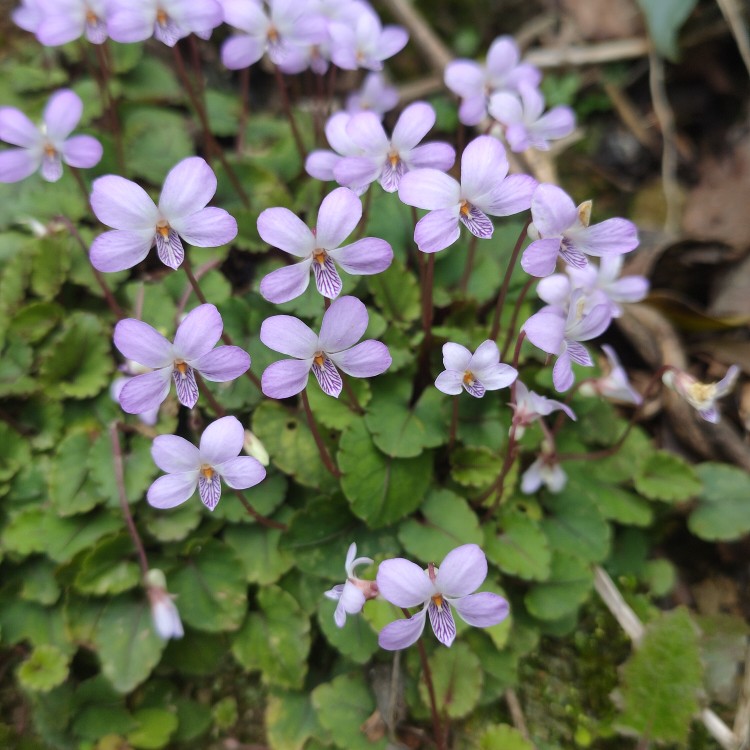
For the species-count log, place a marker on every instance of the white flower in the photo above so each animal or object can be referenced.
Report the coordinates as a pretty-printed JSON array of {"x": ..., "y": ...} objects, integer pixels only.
[{"x": 353, "y": 594}]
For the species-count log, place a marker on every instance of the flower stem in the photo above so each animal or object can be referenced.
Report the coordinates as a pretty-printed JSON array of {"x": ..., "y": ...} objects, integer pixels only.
[
  {"x": 365, "y": 214},
  {"x": 114, "y": 437},
  {"x": 352, "y": 396},
  {"x": 514, "y": 318},
  {"x": 429, "y": 276},
  {"x": 262, "y": 520},
  {"x": 106, "y": 291},
  {"x": 287, "y": 106},
  {"x": 454, "y": 424},
  {"x": 468, "y": 265},
  {"x": 506, "y": 281},
  {"x": 245, "y": 111},
  {"x": 215, "y": 405},
  {"x": 324, "y": 454}
]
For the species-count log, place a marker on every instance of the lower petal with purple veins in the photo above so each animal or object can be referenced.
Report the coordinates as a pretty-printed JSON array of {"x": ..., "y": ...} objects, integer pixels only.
[
  {"x": 209, "y": 487},
  {"x": 472, "y": 386},
  {"x": 51, "y": 166},
  {"x": 476, "y": 221},
  {"x": 328, "y": 376},
  {"x": 184, "y": 381},
  {"x": 327, "y": 278},
  {"x": 579, "y": 353},
  {"x": 96, "y": 30},
  {"x": 169, "y": 247},
  {"x": 441, "y": 619},
  {"x": 393, "y": 170},
  {"x": 167, "y": 31},
  {"x": 571, "y": 255}
]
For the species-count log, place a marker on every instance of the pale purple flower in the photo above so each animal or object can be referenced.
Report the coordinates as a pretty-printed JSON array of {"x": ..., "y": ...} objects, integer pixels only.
[
  {"x": 320, "y": 248},
  {"x": 475, "y": 373},
  {"x": 282, "y": 31},
  {"x": 321, "y": 163},
  {"x": 131, "y": 370},
  {"x": 364, "y": 42},
  {"x": 374, "y": 95},
  {"x": 561, "y": 229},
  {"x": 192, "y": 351},
  {"x": 46, "y": 147},
  {"x": 485, "y": 188},
  {"x": 62, "y": 21},
  {"x": 526, "y": 123},
  {"x": 558, "y": 332},
  {"x": 546, "y": 470},
  {"x": 474, "y": 83},
  {"x": 28, "y": 15},
  {"x": 614, "y": 385},
  {"x": 352, "y": 595},
  {"x": 387, "y": 160},
  {"x": 164, "y": 612},
  {"x": 437, "y": 591},
  {"x": 216, "y": 459},
  {"x": 139, "y": 223},
  {"x": 701, "y": 396},
  {"x": 530, "y": 406},
  {"x": 165, "y": 20},
  {"x": 343, "y": 325}
]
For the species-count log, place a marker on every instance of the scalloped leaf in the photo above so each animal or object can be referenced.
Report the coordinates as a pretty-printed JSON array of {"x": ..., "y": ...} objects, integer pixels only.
[
  {"x": 46, "y": 668},
  {"x": 503, "y": 737},
  {"x": 457, "y": 678},
  {"x": 356, "y": 640},
  {"x": 290, "y": 720},
  {"x": 155, "y": 728},
  {"x": 664, "y": 476},
  {"x": 568, "y": 586},
  {"x": 475, "y": 467},
  {"x": 518, "y": 546},
  {"x": 722, "y": 512},
  {"x": 106, "y": 568}
]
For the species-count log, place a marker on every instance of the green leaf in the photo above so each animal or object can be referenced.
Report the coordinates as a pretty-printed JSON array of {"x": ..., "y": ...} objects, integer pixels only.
[
  {"x": 288, "y": 440},
  {"x": 664, "y": 19},
  {"x": 336, "y": 413},
  {"x": 290, "y": 720},
  {"x": 380, "y": 489},
  {"x": 402, "y": 431},
  {"x": 126, "y": 642},
  {"x": 46, "y": 668},
  {"x": 447, "y": 522},
  {"x": 617, "y": 504},
  {"x": 503, "y": 737},
  {"x": 475, "y": 467},
  {"x": 275, "y": 640},
  {"x": 66, "y": 537},
  {"x": 155, "y": 140},
  {"x": 568, "y": 586},
  {"x": 173, "y": 525},
  {"x": 106, "y": 568},
  {"x": 33, "y": 322},
  {"x": 356, "y": 640},
  {"x": 258, "y": 548},
  {"x": 71, "y": 489},
  {"x": 50, "y": 264},
  {"x": 457, "y": 679},
  {"x": 14, "y": 452},
  {"x": 211, "y": 588},
  {"x": 155, "y": 728},
  {"x": 482, "y": 424},
  {"x": 518, "y": 546},
  {"x": 39, "y": 582},
  {"x": 662, "y": 679},
  {"x": 396, "y": 293},
  {"x": 343, "y": 705},
  {"x": 664, "y": 476},
  {"x": 723, "y": 509},
  {"x": 78, "y": 363},
  {"x": 196, "y": 653}
]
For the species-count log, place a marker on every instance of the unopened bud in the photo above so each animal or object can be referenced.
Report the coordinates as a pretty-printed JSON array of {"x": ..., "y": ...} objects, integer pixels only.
[{"x": 255, "y": 448}]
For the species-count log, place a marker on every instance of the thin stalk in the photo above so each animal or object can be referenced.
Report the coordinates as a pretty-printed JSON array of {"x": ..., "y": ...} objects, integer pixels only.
[
  {"x": 454, "y": 424},
  {"x": 211, "y": 144},
  {"x": 106, "y": 291},
  {"x": 114, "y": 437},
  {"x": 215, "y": 405},
  {"x": 262, "y": 520},
  {"x": 427, "y": 310},
  {"x": 514, "y": 318},
  {"x": 331, "y": 88},
  {"x": 103, "y": 58},
  {"x": 352, "y": 396},
  {"x": 287, "y": 106},
  {"x": 195, "y": 57},
  {"x": 365, "y": 214},
  {"x": 324, "y": 454},
  {"x": 245, "y": 111},
  {"x": 82, "y": 187},
  {"x": 468, "y": 265},
  {"x": 506, "y": 281}
]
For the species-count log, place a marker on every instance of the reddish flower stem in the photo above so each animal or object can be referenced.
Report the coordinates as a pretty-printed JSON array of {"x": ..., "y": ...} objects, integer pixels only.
[
  {"x": 287, "y": 106},
  {"x": 454, "y": 423},
  {"x": 215, "y": 405},
  {"x": 495, "y": 330},
  {"x": 324, "y": 454},
  {"x": 514, "y": 319},
  {"x": 469, "y": 265},
  {"x": 262, "y": 520}
]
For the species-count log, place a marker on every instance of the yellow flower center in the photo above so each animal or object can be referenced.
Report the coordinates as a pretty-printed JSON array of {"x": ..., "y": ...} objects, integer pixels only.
[
  {"x": 319, "y": 359},
  {"x": 162, "y": 227},
  {"x": 207, "y": 471},
  {"x": 161, "y": 17},
  {"x": 465, "y": 207},
  {"x": 91, "y": 18},
  {"x": 701, "y": 394},
  {"x": 320, "y": 255},
  {"x": 437, "y": 600},
  {"x": 469, "y": 378},
  {"x": 181, "y": 366}
]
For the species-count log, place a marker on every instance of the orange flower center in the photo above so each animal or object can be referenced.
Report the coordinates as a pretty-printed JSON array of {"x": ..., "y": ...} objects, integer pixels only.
[
  {"x": 469, "y": 377},
  {"x": 465, "y": 207},
  {"x": 181, "y": 366},
  {"x": 320, "y": 255},
  {"x": 319, "y": 359},
  {"x": 437, "y": 600},
  {"x": 161, "y": 17},
  {"x": 207, "y": 471},
  {"x": 162, "y": 227}
]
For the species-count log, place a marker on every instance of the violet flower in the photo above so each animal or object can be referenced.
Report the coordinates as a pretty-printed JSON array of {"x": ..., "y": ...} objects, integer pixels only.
[
  {"x": 530, "y": 406},
  {"x": 28, "y": 15},
  {"x": 321, "y": 163},
  {"x": 319, "y": 248},
  {"x": 62, "y": 21},
  {"x": 374, "y": 95},
  {"x": 344, "y": 323},
  {"x": 282, "y": 32},
  {"x": 352, "y": 595},
  {"x": 556, "y": 332},
  {"x": 526, "y": 123},
  {"x": 546, "y": 470},
  {"x": 701, "y": 396},
  {"x": 474, "y": 83},
  {"x": 387, "y": 160},
  {"x": 131, "y": 370},
  {"x": 165, "y": 20},
  {"x": 474, "y": 373},
  {"x": 614, "y": 385},
  {"x": 204, "y": 467},
  {"x": 192, "y": 351},
  {"x": 139, "y": 224},
  {"x": 164, "y": 612},
  {"x": 437, "y": 591},
  {"x": 485, "y": 188},
  {"x": 559, "y": 228},
  {"x": 46, "y": 147},
  {"x": 364, "y": 42}
]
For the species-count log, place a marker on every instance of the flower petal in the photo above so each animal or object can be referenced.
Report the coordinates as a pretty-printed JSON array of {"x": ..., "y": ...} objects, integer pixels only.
[
  {"x": 402, "y": 633},
  {"x": 483, "y": 166},
  {"x": 505, "y": 107},
  {"x": 553, "y": 210},
  {"x": 121, "y": 204},
  {"x": 241, "y": 472},
  {"x": 17, "y": 164},
  {"x": 403, "y": 583},
  {"x": 285, "y": 378},
  {"x": 328, "y": 377},
  {"x": 356, "y": 172},
  {"x": 462, "y": 571},
  {"x": 222, "y": 440},
  {"x": 443, "y": 624},
  {"x": 450, "y": 382},
  {"x": 198, "y": 333},
  {"x": 320, "y": 164},
  {"x": 338, "y": 216},
  {"x": 241, "y": 51},
  {"x": 62, "y": 114},
  {"x": 289, "y": 335},
  {"x": 169, "y": 248},
  {"x": 327, "y": 278},
  {"x": 209, "y": 489},
  {"x": 412, "y": 126},
  {"x": 482, "y": 610},
  {"x": 174, "y": 454},
  {"x": 456, "y": 357},
  {"x": 143, "y": 344},
  {"x": 497, "y": 376},
  {"x": 562, "y": 373},
  {"x": 365, "y": 360},
  {"x": 540, "y": 257},
  {"x": 209, "y": 227},
  {"x": 279, "y": 227},
  {"x": 367, "y": 256},
  {"x": 17, "y": 129},
  {"x": 82, "y": 151},
  {"x": 430, "y": 189},
  {"x": 545, "y": 329},
  {"x": 438, "y": 230},
  {"x": 486, "y": 355},
  {"x": 172, "y": 489},
  {"x": 366, "y": 132},
  {"x": 186, "y": 386},
  {"x": 145, "y": 392},
  {"x": 188, "y": 187},
  {"x": 464, "y": 78},
  {"x": 286, "y": 283},
  {"x": 223, "y": 363},
  {"x": 610, "y": 237},
  {"x": 432, "y": 156},
  {"x": 511, "y": 196},
  {"x": 344, "y": 323}
]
